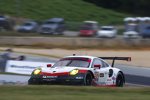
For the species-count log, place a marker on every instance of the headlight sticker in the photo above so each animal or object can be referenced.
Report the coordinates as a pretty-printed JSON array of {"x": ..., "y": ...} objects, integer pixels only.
[
  {"x": 36, "y": 72},
  {"x": 74, "y": 72}
]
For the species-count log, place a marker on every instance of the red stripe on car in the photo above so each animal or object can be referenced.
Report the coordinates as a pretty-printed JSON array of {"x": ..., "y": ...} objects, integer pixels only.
[{"x": 83, "y": 71}]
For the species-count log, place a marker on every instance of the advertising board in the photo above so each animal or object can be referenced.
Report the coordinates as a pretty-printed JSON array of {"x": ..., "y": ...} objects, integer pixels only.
[{"x": 23, "y": 67}]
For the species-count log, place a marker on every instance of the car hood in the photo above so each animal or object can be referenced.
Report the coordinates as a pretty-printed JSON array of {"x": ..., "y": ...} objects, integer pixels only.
[
  {"x": 105, "y": 32},
  {"x": 61, "y": 69}
]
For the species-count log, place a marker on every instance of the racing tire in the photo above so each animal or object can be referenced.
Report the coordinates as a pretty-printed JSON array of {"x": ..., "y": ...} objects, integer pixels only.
[
  {"x": 120, "y": 80},
  {"x": 35, "y": 82},
  {"x": 88, "y": 79}
]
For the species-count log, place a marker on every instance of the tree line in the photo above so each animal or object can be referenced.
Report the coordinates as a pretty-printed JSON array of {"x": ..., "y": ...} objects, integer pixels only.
[{"x": 135, "y": 7}]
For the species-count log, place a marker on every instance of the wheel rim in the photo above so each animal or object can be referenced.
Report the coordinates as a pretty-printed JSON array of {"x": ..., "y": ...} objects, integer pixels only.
[
  {"x": 120, "y": 81},
  {"x": 88, "y": 80}
]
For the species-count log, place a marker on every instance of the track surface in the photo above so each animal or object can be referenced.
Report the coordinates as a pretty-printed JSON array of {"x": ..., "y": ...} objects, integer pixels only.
[
  {"x": 133, "y": 74},
  {"x": 136, "y": 75}
]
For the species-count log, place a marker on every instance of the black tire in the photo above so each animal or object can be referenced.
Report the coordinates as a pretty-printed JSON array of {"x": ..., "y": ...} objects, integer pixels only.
[
  {"x": 88, "y": 79},
  {"x": 30, "y": 82},
  {"x": 34, "y": 82},
  {"x": 120, "y": 80}
]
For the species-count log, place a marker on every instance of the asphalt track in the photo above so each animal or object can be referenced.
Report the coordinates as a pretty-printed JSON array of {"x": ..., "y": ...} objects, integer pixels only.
[{"x": 134, "y": 75}]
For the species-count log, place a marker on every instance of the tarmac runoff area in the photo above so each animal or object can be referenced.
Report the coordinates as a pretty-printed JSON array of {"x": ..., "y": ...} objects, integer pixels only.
[{"x": 140, "y": 58}]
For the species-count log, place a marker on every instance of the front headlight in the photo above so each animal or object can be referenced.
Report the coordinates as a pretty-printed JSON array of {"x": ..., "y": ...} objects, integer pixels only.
[
  {"x": 74, "y": 72},
  {"x": 37, "y": 71}
]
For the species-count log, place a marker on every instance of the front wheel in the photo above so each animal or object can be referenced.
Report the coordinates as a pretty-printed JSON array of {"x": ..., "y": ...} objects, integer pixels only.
[
  {"x": 88, "y": 79},
  {"x": 120, "y": 80},
  {"x": 34, "y": 82}
]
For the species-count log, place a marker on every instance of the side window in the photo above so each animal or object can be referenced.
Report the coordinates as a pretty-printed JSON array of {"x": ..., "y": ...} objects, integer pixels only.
[
  {"x": 96, "y": 62},
  {"x": 104, "y": 64}
]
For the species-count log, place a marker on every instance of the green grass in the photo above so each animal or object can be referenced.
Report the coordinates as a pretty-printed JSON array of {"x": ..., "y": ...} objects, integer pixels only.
[
  {"x": 72, "y": 93},
  {"x": 71, "y": 10}
]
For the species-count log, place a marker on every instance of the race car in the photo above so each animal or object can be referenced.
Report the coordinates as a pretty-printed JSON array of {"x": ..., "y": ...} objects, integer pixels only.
[{"x": 80, "y": 70}]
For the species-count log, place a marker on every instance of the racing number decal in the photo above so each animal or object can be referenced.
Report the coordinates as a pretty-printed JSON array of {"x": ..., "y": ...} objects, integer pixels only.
[{"x": 101, "y": 74}]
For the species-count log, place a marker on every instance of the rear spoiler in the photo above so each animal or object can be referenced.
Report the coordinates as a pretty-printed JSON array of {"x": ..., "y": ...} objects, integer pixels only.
[{"x": 116, "y": 58}]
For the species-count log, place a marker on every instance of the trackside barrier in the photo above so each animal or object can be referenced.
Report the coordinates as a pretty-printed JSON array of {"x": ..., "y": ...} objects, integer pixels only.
[
  {"x": 23, "y": 67},
  {"x": 75, "y": 42}
]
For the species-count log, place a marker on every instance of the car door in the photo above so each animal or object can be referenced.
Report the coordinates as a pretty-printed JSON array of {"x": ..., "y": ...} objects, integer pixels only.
[
  {"x": 108, "y": 73},
  {"x": 101, "y": 74}
]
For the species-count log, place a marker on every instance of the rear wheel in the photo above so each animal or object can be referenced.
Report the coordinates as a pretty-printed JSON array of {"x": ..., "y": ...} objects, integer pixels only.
[{"x": 120, "y": 80}]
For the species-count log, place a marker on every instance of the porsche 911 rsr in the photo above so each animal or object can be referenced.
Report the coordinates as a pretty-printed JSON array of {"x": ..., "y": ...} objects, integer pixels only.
[{"x": 80, "y": 70}]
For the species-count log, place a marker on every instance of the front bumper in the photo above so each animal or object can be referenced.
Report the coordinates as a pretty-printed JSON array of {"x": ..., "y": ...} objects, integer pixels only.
[{"x": 65, "y": 79}]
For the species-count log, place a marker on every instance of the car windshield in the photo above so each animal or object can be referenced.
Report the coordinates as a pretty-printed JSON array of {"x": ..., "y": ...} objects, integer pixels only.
[
  {"x": 106, "y": 28},
  {"x": 86, "y": 28},
  {"x": 50, "y": 22},
  {"x": 27, "y": 24},
  {"x": 74, "y": 62}
]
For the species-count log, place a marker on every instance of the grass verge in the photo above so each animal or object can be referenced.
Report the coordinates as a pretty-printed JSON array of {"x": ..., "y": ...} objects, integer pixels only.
[
  {"x": 72, "y": 93},
  {"x": 71, "y": 10}
]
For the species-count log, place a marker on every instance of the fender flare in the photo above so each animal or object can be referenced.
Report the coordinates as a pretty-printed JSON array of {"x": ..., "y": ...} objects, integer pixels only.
[{"x": 91, "y": 73}]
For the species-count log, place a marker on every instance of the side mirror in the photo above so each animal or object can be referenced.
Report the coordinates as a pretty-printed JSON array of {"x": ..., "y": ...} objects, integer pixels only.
[
  {"x": 49, "y": 65},
  {"x": 97, "y": 66}
]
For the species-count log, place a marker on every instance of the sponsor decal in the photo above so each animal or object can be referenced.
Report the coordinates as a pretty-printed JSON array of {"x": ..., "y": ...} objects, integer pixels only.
[
  {"x": 50, "y": 76},
  {"x": 44, "y": 76},
  {"x": 20, "y": 67},
  {"x": 101, "y": 74},
  {"x": 109, "y": 80},
  {"x": 79, "y": 77},
  {"x": 113, "y": 78}
]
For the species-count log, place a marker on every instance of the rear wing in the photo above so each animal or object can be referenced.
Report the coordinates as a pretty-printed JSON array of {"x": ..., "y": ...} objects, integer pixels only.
[{"x": 116, "y": 58}]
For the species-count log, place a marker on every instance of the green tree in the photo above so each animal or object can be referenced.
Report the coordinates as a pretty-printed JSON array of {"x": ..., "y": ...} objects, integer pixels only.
[{"x": 138, "y": 7}]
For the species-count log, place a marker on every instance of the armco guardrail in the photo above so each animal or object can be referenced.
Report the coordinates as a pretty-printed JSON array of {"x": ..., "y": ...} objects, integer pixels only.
[{"x": 74, "y": 41}]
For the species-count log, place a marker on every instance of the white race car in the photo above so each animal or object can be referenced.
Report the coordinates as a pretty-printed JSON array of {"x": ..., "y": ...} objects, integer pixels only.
[{"x": 80, "y": 70}]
